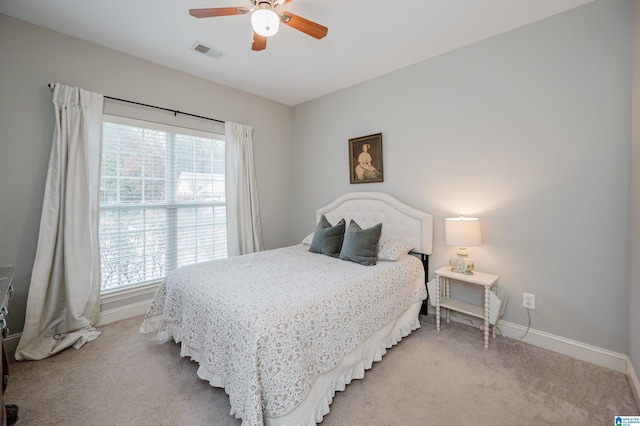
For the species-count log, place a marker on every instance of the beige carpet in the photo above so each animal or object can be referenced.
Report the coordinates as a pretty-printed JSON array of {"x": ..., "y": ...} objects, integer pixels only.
[{"x": 430, "y": 378}]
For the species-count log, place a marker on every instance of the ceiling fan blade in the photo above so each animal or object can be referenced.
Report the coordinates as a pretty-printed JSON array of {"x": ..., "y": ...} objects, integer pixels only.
[
  {"x": 306, "y": 26},
  {"x": 259, "y": 42},
  {"x": 218, "y": 11},
  {"x": 281, "y": 2}
]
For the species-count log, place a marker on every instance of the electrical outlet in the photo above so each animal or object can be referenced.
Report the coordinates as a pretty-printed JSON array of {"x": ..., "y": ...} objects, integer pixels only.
[{"x": 529, "y": 300}]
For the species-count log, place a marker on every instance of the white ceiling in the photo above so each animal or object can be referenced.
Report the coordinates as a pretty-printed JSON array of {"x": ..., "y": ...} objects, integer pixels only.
[{"x": 366, "y": 38}]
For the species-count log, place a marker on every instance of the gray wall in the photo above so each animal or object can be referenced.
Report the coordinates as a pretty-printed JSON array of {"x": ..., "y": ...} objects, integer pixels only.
[
  {"x": 31, "y": 57},
  {"x": 634, "y": 282},
  {"x": 529, "y": 131}
]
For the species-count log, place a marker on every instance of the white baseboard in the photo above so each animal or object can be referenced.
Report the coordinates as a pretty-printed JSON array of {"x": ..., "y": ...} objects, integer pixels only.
[
  {"x": 125, "y": 303},
  {"x": 632, "y": 377},
  {"x": 565, "y": 346},
  {"x": 123, "y": 312},
  {"x": 562, "y": 345},
  {"x": 11, "y": 343},
  {"x": 106, "y": 317}
]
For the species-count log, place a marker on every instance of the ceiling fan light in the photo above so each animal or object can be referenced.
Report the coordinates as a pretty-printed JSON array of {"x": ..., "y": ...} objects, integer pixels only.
[{"x": 265, "y": 22}]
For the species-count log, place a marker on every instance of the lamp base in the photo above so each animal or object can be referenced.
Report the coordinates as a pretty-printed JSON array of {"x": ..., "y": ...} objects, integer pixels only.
[{"x": 462, "y": 263}]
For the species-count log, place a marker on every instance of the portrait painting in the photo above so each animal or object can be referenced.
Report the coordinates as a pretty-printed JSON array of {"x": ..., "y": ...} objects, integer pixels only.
[{"x": 365, "y": 159}]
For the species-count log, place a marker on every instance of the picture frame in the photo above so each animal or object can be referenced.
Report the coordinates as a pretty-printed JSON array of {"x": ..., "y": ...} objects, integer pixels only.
[{"x": 365, "y": 159}]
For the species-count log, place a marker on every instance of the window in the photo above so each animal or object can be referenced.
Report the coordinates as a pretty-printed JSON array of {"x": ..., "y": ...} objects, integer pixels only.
[{"x": 162, "y": 200}]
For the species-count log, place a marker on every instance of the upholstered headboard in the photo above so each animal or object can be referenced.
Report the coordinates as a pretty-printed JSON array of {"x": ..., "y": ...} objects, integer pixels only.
[{"x": 398, "y": 219}]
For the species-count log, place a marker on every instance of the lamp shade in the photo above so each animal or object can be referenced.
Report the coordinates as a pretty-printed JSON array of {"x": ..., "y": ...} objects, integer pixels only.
[
  {"x": 265, "y": 22},
  {"x": 462, "y": 231}
]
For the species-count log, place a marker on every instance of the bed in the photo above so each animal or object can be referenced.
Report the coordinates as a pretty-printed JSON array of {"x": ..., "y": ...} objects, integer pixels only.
[{"x": 282, "y": 330}]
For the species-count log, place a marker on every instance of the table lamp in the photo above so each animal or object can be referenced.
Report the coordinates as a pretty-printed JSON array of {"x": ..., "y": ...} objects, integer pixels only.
[{"x": 462, "y": 232}]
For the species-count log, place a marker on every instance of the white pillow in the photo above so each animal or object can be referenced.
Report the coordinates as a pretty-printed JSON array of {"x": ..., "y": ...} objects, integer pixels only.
[
  {"x": 392, "y": 249},
  {"x": 308, "y": 239}
]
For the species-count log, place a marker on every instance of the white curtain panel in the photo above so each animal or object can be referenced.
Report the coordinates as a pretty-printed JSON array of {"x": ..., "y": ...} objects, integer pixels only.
[
  {"x": 64, "y": 295},
  {"x": 244, "y": 234}
]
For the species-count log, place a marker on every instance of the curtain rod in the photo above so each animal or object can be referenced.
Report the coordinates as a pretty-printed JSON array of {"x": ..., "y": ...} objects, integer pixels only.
[{"x": 174, "y": 111}]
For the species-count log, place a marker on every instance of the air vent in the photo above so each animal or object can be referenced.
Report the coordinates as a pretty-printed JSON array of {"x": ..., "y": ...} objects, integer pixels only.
[
  {"x": 201, "y": 48},
  {"x": 212, "y": 52}
]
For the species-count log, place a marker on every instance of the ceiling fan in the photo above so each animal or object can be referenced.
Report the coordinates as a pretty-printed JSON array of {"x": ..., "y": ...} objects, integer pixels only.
[{"x": 265, "y": 20}]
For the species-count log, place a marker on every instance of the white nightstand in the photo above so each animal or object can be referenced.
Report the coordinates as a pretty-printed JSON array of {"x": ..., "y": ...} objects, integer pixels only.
[{"x": 493, "y": 305}]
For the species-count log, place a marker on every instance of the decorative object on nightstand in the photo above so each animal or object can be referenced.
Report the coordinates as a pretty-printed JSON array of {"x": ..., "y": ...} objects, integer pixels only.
[
  {"x": 490, "y": 311},
  {"x": 462, "y": 232}
]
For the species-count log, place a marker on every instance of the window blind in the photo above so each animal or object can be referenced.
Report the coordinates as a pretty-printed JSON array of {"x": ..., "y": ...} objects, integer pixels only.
[{"x": 162, "y": 200}]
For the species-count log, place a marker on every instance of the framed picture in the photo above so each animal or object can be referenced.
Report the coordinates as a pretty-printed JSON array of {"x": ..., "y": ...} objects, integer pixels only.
[{"x": 365, "y": 159}]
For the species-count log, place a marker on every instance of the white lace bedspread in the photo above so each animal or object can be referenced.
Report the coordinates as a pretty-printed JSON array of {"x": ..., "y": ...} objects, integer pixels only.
[{"x": 269, "y": 323}]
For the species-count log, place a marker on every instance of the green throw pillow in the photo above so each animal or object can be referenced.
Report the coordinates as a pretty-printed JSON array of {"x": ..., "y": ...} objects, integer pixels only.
[
  {"x": 361, "y": 245},
  {"x": 327, "y": 239}
]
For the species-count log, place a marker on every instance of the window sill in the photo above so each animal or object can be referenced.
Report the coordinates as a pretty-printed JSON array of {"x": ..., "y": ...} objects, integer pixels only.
[{"x": 111, "y": 296}]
